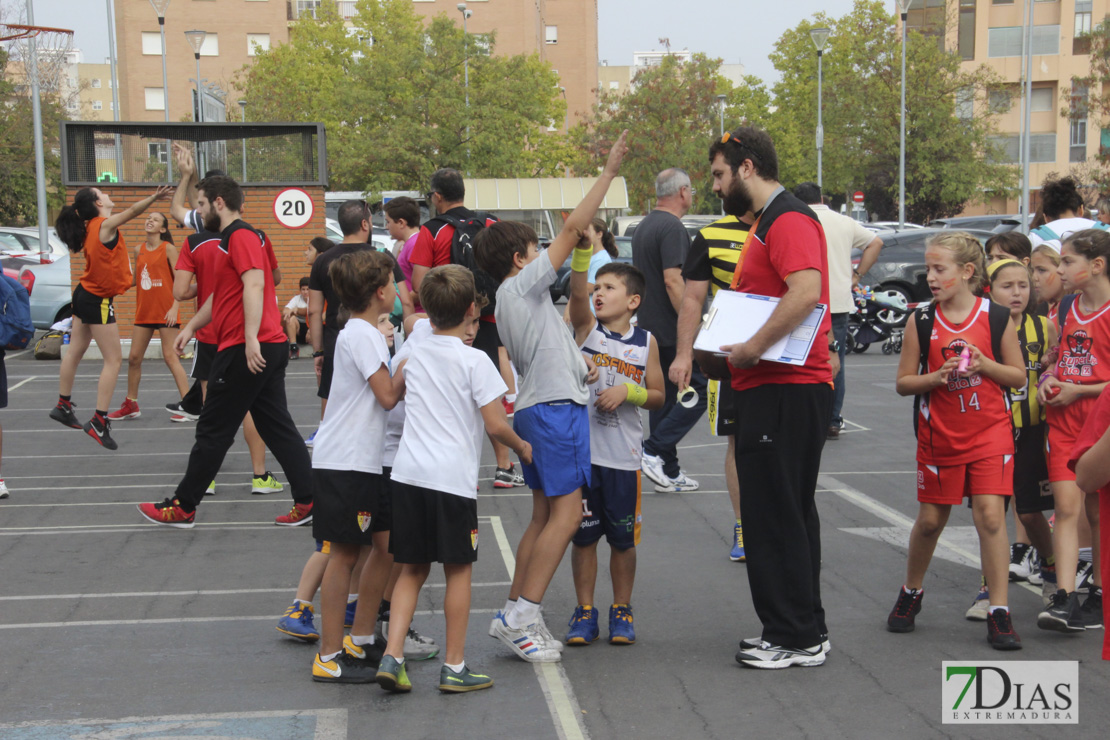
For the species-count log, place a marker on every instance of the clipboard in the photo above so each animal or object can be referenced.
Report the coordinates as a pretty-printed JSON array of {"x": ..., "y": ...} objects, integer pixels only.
[{"x": 735, "y": 317}]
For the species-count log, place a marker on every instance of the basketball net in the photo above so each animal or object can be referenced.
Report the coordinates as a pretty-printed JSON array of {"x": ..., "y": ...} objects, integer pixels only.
[{"x": 51, "y": 66}]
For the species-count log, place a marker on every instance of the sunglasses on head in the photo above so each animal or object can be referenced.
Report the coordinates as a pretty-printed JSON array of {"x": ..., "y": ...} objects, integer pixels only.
[{"x": 729, "y": 136}]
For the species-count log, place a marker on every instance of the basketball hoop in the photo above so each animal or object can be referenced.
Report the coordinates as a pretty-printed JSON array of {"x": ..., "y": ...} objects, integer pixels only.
[
  {"x": 15, "y": 31},
  {"x": 51, "y": 47}
]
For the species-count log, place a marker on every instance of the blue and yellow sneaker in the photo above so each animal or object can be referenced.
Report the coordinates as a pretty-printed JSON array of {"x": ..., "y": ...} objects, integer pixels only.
[
  {"x": 737, "y": 555},
  {"x": 349, "y": 618},
  {"x": 298, "y": 622},
  {"x": 621, "y": 631},
  {"x": 466, "y": 680},
  {"x": 583, "y": 626},
  {"x": 392, "y": 676}
]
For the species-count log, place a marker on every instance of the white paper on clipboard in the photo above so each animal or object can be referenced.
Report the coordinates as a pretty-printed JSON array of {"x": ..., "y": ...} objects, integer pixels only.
[{"x": 735, "y": 317}]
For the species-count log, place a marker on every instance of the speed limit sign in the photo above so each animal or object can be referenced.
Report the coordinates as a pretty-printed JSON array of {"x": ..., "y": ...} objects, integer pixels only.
[{"x": 293, "y": 208}]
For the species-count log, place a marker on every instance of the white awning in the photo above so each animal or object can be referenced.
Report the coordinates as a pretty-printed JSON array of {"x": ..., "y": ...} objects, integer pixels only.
[{"x": 546, "y": 194}]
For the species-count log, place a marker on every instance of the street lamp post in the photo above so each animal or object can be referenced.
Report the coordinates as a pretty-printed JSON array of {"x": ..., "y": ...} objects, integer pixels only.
[
  {"x": 819, "y": 36},
  {"x": 243, "y": 109},
  {"x": 196, "y": 40},
  {"x": 903, "y": 6},
  {"x": 721, "y": 114},
  {"x": 466, "y": 13},
  {"x": 160, "y": 7},
  {"x": 1026, "y": 216}
]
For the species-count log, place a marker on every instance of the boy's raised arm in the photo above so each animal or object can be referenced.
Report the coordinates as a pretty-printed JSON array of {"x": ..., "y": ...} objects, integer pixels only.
[
  {"x": 579, "y": 304},
  {"x": 581, "y": 216}
]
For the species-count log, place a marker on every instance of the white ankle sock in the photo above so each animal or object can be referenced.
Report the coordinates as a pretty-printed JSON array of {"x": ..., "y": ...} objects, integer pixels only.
[
  {"x": 993, "y": 607},
  {"x": 361, "y": 640},
  {"x": 523, "y": 614},
  {"x": 352, "y": 597},
  {"x": 326, "y": 658},
  {"x": 456, "y": 668},
  {"x": 510, "y": 604}
]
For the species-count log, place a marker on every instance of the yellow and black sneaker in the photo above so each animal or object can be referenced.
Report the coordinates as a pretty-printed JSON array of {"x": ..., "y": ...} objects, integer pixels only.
[
  {"x": 465, "y": 680},
  {"x": 366, "y": 655},
  {"x": 343, "y": 668}
]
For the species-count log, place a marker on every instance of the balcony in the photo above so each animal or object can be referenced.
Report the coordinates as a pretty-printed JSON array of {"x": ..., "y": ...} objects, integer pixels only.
[{"x": 296, "y": 9}]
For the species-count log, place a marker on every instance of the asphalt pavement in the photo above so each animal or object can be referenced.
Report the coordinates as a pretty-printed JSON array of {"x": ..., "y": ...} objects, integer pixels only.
[{"x": 112, "y": 627}]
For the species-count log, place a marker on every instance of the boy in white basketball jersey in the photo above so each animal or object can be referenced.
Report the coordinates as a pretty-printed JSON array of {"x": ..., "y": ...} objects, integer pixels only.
[{"x": 629, "y": 378}]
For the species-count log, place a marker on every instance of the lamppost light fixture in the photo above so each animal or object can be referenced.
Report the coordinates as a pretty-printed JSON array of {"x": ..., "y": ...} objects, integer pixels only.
[
  {"x": 904, "y": 6},
  {"x": 196, "y": 40},
  {"x": 820, "y": 37},
  {"x": 160, "y": 7}
]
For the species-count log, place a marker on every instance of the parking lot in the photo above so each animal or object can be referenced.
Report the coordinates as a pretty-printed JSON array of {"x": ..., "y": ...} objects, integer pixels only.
[{"x": 115, "y": 628}]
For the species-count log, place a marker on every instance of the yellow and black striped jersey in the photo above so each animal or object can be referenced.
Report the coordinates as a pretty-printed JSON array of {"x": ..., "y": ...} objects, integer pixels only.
[
  {"x": 714, "y": 252},
  {"x": 1033, "y": 337}
]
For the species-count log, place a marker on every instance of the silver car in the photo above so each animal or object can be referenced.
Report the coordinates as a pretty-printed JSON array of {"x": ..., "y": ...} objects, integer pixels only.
[{"x": 46, "y": 277}]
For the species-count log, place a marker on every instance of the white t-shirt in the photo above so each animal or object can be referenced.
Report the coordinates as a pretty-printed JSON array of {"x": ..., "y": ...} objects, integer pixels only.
[
  {"x": 352, "y": 434},
  {"x": 842, "y": 235},
  {"x": 533, "y": 332},
  {"x": 1062, "y": 228},
  {"x": 297, "y": 303},
  {"x": 396, "y": 422},
  {"x": 446, "y": 386}
]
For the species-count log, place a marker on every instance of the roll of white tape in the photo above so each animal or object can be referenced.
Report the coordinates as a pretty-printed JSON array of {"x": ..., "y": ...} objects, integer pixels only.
[{"x": 687, "y": 397}]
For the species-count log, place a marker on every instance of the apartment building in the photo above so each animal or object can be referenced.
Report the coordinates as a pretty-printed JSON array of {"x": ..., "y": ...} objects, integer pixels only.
[
  {"x": 617, "y": 78},
  {"x": 94, "y": 92},
  {"x": 991, "y": 33}
]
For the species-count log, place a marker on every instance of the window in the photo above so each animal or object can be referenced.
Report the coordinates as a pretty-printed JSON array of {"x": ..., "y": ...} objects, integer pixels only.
[
  {"x": 155, "y": 98},
  {"x": 999, "y": 101},
  {"x": 551, "y": 34},
  {"x": 257, "y": 41},
  {"x": 97, "y": 105},
  {"x": 1007, "y": 41},
  {"x": 965, "y": 103},
  {"x": 1080, "y": 43},
  {"x": 1042, "y": 148},
  {"x": 1041, "y": 102},
  {"x": 927, "y": 18},
  {"x": 95, "y": 83},
  {"x": 1002, "y": 2},
  {"x": 1077, "y": 135},
  {"x": 614, "y": 85},
  {"x": 111, "y": 105},
  {"x": 966, "y": 36},
  {"x": 152, "y": 43},
  {"x": 71, "y": 104},
  {"x": 156, "y": 150},
  {"x": 307, "y": 8},
  {"x": 211, "y": 45}
]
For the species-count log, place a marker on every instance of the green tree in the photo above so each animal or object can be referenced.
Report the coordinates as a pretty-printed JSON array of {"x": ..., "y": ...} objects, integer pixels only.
[
  {"x": 392, "y": 94},
  {"x": 949, "y": 157},
  {"x": 1088, "y": 98}
]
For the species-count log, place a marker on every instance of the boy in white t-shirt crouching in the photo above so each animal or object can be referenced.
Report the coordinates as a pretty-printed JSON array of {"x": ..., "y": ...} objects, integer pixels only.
[{"x": 453, "y": 393}]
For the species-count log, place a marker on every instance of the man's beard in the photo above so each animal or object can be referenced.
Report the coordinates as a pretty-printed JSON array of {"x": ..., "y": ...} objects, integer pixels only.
[
  {"x": 212, "y": 221},
  {"x": 738, "y": 200}
]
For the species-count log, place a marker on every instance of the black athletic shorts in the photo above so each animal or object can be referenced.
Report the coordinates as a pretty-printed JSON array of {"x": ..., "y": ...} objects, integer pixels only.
[
  {"x": 1031, "y": 490},
  {"x": 488, "y": 340},
  {"x": 203, "y": 356},
  {"x": 92, "y": 309},
  {"x": 349, "y": 506},
  {"x": 302, "y": 332},
  {"x": 433, "y": 526},
  {"x": 330, "y": 338},
  {"x": 156, "y": 327},
  {"x": 720, "y": 408}
]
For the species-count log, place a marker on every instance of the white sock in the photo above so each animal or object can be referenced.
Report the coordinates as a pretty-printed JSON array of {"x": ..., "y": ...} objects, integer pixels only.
[
  {"x": 510, "y": 604},
  {"x": 525, "y": 613},
  {"x": 352, "y": 597},
  {"x": 361, "y": 640},
  {"x": 912, "y": 591},
  {"x": 456, "y": 668},
  {"x": 300, "y": 602},
  {"x": 992, "y": 607},
  {"x": 326, "y": 658}
]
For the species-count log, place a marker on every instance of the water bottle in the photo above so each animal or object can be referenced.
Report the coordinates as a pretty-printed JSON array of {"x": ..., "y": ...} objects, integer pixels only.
[{"x": 65, "y": 338}]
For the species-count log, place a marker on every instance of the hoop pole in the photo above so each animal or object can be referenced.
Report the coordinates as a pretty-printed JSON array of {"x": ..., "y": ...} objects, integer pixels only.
[
  {"x": 36, "y": 114},
  {"x": 115, "y": 82}
]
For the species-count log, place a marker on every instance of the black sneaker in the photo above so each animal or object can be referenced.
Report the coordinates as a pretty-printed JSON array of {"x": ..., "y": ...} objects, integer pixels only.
[
  {"x": 1062, "y": 614},
  {"x": 179, "y": 410},
  {"x": 905, "y": 609},
  {"x": 368, "y": 656},
  {"x": 1091, "y": 611},
  {"x": 294, "y": 352},
  {"x": 63, "y": 413},
  {"x": 1083, "y": 575},
  {"x": 100, "y": 430},
  {"x": 342, "y": 669},
  {"x": 1000, "y": 631}
]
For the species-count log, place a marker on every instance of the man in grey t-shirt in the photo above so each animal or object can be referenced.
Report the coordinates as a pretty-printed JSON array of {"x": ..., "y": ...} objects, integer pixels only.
[{"x": 659, "y": 247}]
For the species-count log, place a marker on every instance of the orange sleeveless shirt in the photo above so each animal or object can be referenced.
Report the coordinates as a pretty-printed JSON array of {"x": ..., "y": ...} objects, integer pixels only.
[
  {"x": 107, "y": 271},
  {"x": 155, "y": 285}
]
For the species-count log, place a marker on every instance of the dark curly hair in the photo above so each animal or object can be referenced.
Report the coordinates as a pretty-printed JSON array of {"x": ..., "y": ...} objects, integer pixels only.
[{"x": 1059, "y": 195}]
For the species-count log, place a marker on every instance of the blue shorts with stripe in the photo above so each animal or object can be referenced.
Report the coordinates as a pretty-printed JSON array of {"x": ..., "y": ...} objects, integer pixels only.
[
  {"x": 611, "y": 507},
  {"x": 559, "y": 433}
]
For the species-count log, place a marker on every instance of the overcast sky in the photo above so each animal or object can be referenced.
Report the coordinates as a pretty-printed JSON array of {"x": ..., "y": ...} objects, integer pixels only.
[{"x": 737, "y": 31}]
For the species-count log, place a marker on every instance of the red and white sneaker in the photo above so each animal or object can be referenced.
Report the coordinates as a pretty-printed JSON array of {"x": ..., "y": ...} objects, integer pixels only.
[
  {"x": 509, "y": 410},
  {"x": 298, "y": 515},
  {"x": 129, "y": 409},
  {"x": 168, "y": 513}
]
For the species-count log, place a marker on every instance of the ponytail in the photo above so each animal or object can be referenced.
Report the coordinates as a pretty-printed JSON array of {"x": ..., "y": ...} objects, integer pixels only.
[
  {"x": 72, "y": 221},
  {"x": 608, "y": 241}
]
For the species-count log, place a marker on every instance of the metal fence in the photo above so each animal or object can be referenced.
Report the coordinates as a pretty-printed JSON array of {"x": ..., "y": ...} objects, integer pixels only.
[{"x": 140, "y": 153}]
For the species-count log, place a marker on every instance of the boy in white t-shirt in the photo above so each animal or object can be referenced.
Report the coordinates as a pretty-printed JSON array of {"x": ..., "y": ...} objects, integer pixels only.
[
  {"x": 453, "y": 395},
  {"x": 294, "y": 318},
  {"x": 351, "y": 509},
  {"x": 550, "y": 406}
]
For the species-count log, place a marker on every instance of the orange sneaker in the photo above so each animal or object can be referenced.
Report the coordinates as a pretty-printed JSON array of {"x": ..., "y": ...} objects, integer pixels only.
[
  {"x": 129, "y": 409},
  {"x": 168, "y": 513},
  {"x": 298, "y": 515}
]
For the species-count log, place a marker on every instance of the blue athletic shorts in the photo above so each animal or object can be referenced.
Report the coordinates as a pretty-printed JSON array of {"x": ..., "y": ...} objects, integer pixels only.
[
  {"x": 611, "y": 507},
  {"x": 559, "y": 433}
]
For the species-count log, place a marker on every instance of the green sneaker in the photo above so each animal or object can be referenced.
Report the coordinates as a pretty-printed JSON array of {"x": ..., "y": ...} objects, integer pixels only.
[
  {"x": 467, "y": 680},
  {"x": 266, "y": 483},
  {"x": 392, "y": 676}
]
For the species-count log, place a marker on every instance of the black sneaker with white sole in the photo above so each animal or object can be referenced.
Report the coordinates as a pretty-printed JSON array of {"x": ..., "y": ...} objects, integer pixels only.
[
  {"x": 178, "y": 409},
  {"x": 1091, "y": 611},
  {"x": 1000, "y": 631},
  {"x": 770, "y": 657},
  {"x": 901, "y": 617},
  {"x": 753, "y": 643},
  {"x": 1063, "y": 613}
]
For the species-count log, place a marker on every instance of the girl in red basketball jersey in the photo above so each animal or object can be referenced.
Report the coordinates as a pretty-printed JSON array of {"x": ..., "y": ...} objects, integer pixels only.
[
  {"x": 89, "y": 226},
  {"x": 155, "y": 310},
  {"x": 1081, "y": 373},
  {"x": 965, "y": 442}
]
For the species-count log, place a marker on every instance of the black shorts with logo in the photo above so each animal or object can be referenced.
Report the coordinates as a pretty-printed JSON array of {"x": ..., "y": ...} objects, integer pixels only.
[
  {"x": 720, "y": 408},
  {"x": 432, "y": 526},
  {"x": 92, "y": 309},
  {"x": 349, "y": 506},
  {"x": 203, "y": 356},
  {"x": 1031, "y": 490}
]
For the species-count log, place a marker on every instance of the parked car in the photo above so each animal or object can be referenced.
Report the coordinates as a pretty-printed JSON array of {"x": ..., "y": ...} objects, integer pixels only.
[
  {"x": 379, "y": 237},
  {"x": 901, "y": 264},
  {"x": 46, "y": 278},
  {"x": 626, "y": 225},
  {"x": 890, "y": 226},
  {"x": 965, "y": 223},
  {"x": 561, "y": 287}
]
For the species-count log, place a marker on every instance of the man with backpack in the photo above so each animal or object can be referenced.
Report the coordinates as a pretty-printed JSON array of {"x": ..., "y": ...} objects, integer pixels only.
[{"x": 446, "y": 239}]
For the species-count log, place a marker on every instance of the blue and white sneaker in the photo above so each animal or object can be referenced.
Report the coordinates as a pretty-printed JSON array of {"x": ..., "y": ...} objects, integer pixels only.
[
  {"x": 737, "y": 554},
  {"x": 583, "y": 626},
  {"x": 621, "y": 631},
  {"x": 349, "y": 618},
  {"x": 980, "y": 607},
  {"x": 311, "y": 439},
  {"x": 527, "y": 642},
  {"x": 298, "y": 622}
]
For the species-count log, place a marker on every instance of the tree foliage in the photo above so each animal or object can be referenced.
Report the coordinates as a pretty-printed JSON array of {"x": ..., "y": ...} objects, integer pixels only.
[
  {"x": 1089, "y": 98},
  {"x": 392, "y": 94}
]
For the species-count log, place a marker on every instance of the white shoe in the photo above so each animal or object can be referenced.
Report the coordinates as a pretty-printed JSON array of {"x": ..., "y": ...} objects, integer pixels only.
[
  {"x": 528, "y": 643},
  {"x": 681, "y": 484},
  {"x": 1023, "y": 561},
  {"x": 776, "y": 656},
  {"x": 4, "y": 492},
  {"x": 979, "y": 608},
  {"x": 753, "y": 643},
  {"x": 211, "y": 490},
  {"x": 547, "y": 636},
  {"x": 652, "y": 467},
  {"x": 417, "y": 646}
]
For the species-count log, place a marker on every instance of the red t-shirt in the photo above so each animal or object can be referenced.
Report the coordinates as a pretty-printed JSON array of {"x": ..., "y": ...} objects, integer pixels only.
[
  {"x": 788, "y": 239},
  {"x": 969, "y": 418},
  {"x": 245, "y": 250},
  {"x": 433, "y": 248},
  {"x": 1084, "y": 359},
  {"x": 201, "y": 255}
]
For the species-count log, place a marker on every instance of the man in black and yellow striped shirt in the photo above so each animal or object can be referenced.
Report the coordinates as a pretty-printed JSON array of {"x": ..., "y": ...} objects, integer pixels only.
[{"x": 709, "y": 266}]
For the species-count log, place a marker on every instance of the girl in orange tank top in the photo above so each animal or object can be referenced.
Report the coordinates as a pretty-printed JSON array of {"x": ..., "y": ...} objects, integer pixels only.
[
  {"x": 90, "y": 225},
  {"x": 965, "y": 445},
  {"x": 155, "y": 310}
]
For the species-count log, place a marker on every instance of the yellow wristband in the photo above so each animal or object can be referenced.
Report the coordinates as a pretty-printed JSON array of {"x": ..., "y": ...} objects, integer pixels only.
[
  {"x": 580, "y": 260},
  {"x": 637, "y": 395}
]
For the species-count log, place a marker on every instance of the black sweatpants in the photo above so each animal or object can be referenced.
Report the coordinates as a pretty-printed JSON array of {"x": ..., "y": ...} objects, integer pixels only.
[
  {"x": 233, "y": 390},
  {"x": 780, "y": 432}
]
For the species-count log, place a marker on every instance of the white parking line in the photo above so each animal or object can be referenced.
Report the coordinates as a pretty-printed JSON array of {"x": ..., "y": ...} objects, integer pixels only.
[
  {"x": 22, "y": 382},
  {"x": 205, "y": 592},
  {"x": 331, "y": 724}
]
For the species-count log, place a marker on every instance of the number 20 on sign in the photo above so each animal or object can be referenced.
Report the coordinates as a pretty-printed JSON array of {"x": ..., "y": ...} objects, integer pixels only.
[{"x": 293, "y": 208}]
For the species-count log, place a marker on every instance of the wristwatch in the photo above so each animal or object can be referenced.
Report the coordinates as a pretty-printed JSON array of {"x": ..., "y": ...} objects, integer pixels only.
[
  {"x": 834, "y": 346},
  {"x": 317, "y": 354}
]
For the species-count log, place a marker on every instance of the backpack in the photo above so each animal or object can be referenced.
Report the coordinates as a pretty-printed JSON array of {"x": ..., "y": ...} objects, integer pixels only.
[
  {"x": 1064, "y": 308},
  {"x": 998, "y": 317},
  {"x": 16, "y": 328},
  {"x": 462, "y": 253},
  {"x": 49, "y": 346}
]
